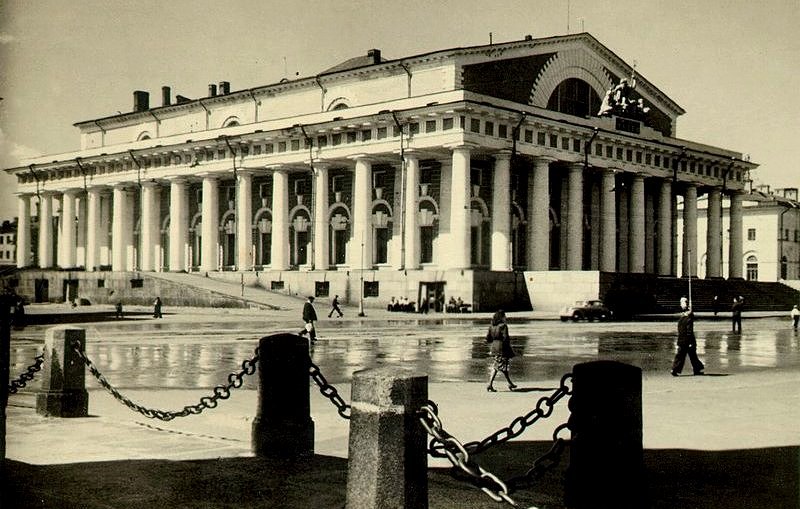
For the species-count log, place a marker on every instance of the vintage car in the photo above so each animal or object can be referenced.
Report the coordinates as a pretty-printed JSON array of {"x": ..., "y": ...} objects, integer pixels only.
[{"x": 586, "y": 310}]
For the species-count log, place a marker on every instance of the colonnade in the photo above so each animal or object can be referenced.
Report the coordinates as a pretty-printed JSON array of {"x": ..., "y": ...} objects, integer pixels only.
[{"x": 636, "y": 230}]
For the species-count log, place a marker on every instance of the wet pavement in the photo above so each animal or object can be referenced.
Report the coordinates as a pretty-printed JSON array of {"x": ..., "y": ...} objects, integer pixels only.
[{"x": 145, "y": 354}]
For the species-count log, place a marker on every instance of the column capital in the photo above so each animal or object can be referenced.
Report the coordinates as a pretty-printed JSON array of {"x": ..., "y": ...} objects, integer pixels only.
[
  {"x": 209, "y": 176},
  {"x": 362, "y": 157},
  {"x": 503, "y": 155},
  {"x": 576, "y": 165},
  {"x": 543, "y": 160},
  {"x": 149, "y": 183},
  {"x": 462, "y": 146}
]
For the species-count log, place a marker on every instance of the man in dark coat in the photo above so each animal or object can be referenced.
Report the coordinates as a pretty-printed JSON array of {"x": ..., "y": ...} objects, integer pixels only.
[
  {"x": 309, "y": 317},
  {"x": 335, "y": 307},
  {"x": 736, "y": 314},
  {"x": 687, "y": 344}
]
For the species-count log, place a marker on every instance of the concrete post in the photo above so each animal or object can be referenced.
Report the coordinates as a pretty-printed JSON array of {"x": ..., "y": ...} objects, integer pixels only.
[
  {"x": 63, "y": 391},
  {"x": 388, "y": 458},
  {"x": 282, "y": 427},
  {"x": 606, "y": 466}
]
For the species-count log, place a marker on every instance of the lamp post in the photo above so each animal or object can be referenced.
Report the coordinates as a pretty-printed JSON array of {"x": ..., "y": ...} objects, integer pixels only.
[{"x": 361, "y": 280}]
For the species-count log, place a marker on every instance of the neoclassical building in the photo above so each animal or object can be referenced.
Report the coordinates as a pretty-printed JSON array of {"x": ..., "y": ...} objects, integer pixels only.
[{"x": 475, "y": 172}]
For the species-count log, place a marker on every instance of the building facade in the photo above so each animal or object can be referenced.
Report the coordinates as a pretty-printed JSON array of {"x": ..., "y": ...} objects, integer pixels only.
[
  {"x": 770, "y": 233},
  {"x": 455, "y": 171},
  {"x": 8, "y": 244}
]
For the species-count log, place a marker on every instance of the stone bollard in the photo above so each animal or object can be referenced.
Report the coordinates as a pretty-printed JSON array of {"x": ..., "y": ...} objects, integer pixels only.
[
  {"x": 283, "y": 427},
  {"x": 606, "y": 467},
  {"x": 388, "y": 457},
  {"x": 63, "y": 391}
]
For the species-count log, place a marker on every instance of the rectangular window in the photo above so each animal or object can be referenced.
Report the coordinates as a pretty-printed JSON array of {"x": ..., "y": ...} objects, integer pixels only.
[
  {"x": 295, "y": 144},
  {"x": 430, "y": 126},
  {"x": 565, "y": 143},
  {"x": 619, "y": 153},
  {"x": 371, "y": 289},
  {"x": 657, "y": 160},
  {"x": 413, "y": 128},
  {"x": 648, "y": 158},
  {"x": 351, "y": 137},
  {"x": 101, "y": 283},
  {"x": 336, "y": 139},
  {"x": 475, "y": 125},
  {"x": 276, "y": 285},
  {"x": 502, "y": 131},
  {"x": 462, "y": 121},
  {"x": 629, "y": 155},
  {"x": 554, "y": 140},
  {"x": 221, "y": 153},
  {"x": 488, "y": 128},
  {"x": 322, "y": 141},
  {"x": 269, "y": 148},
  {"x": 786, "y": 234},
  {"x": 256, "y": 150},
  {"x": 281, "y": 146},
  {"x": 447, "y": 123},
  {"x": 576, "y": 145},
  {"x": 366, "y": 135},
  {"x": 638, "y": 157},
  {"x": 609, "y": 151},
  {"x": 322, "y": 288},
  {"x": 751, "y": 234},
  {"x": 137, "y": 283},
  {"x": 598, "y": 149},
  {"x": 382, "y": 133}
]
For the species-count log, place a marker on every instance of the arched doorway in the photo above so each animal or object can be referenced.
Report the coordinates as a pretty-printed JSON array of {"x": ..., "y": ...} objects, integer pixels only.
[
  {"x": 299, "y": 236},
  {"x": 228, "y": 240},
  {"x": 339, "y": 234},
  {"x": 382, "y": 233},
  {"x": 262, "y": 237}
]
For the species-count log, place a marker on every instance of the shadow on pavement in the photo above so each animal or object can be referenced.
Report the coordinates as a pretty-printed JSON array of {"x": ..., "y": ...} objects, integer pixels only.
[{"x": 766, "y": 478}]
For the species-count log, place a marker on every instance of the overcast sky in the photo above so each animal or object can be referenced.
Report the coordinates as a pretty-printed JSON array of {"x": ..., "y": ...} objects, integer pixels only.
[{"x": 732, "y": 65}]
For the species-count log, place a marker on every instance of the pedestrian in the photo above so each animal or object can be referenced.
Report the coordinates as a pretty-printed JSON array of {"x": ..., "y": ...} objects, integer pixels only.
[
  {"x": 335, "y": 307},
  {"x": 309, "y": 317},
  {"x": 736, "y": 314},
  {"x": 500, "y": 349},
  {"x": 795, "y": 314},
  {"x": 19, "y": 313},
  {"x": 157, "y": 308},
  {"x": 715, "y": 304},
  {"x": 118, "y": 309},
  {"x": 687, "y": 343}
]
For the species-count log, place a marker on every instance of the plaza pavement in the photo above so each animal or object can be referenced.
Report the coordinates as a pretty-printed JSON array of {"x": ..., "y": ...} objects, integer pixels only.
[{"x": 710, "y": 441}]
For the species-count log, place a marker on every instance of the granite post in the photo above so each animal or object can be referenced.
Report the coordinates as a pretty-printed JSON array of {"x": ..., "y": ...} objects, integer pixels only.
[
  {"x": 282, "y": 427},
  {"x": 63, "y": 392},
  {"x": 388, "y": 458}
]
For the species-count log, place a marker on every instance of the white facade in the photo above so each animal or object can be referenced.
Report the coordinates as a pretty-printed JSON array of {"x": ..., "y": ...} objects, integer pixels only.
[{"x": 439, "y": 165}]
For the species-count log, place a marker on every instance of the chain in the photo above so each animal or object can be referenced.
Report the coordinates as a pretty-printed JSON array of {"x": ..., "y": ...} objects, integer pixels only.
[
  {"x": 328, "y": 390},
  {"x": 545, "y": 462},
  {"x": 457, "y": 453},
  {"x": 27, "y": 376},
  {"x": 235, "y": 380},
  {"x": 542, "y": 410}
]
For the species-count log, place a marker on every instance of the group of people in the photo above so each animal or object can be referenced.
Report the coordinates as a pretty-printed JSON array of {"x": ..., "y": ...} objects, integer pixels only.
[
  {"x": 456, "y": 305},
  {"x": 402, "y": 305}
]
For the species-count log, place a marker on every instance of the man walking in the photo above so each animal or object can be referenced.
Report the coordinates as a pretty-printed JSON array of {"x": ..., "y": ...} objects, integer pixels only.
[
  {"x": 335, "y": 307},
  {"x": 309, "y": 317},
  {"x": 687, "y": 344},
  {"x": 736, "y": 314}
]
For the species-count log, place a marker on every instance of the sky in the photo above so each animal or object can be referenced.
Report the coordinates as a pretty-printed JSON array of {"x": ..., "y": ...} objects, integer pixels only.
[{"x": 732, "y": 65}]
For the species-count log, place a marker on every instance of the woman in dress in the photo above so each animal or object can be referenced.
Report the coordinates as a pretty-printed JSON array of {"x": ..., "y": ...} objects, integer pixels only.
[{"x": 500, "y": 348}]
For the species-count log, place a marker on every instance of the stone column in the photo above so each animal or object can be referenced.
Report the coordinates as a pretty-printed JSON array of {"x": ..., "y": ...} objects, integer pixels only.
[
  {"x": 690, "y": 231},
  {"x": 23, "y": 230},
  {"x": 209, "y": 257},
  {"x": 575, "y": 218},
  {"x": 387, "y": 458},
  {"x": 412, "y": 245},
  {"x": 539, "y": 215},
  {"x": 280, "y": 220},
  {"x": 66, "y": 241},
  {"x": 150, "y": 225},
  {"x": 458, "y": 254},
  {"x": 636, "y": 236},
  {"x": 45, "y": 231},
  {"x": 735, "y": 247},
  {"x": 608, "y": 222},
  {"x": 362, "y": 218},
  {"x": 714, "y": 234},
  {"x": 501, "y": 212},
  {"x": 178, "y": 225},
  {"x": 121, "y": 229},
  {"x": 321, "y": 241},
  {"x": 80, "y": 251},
  {"x": 244, "y": 220},
  {"x": 92, "y": 233},
  {"x": 664, "y": 234},
  {"x": 103, "y": 230}
]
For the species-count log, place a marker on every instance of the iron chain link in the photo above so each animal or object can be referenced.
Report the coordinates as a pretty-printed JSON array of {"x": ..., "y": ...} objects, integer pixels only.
[
  {"x": 328, "y": 390},
  {"x": 542, "y": 410},
  {"x": 458, "y": 455},
  {"x": 545, "y": 462},
  {"x": 235, "y": 380},
  {"x": 27, "y": 376}
]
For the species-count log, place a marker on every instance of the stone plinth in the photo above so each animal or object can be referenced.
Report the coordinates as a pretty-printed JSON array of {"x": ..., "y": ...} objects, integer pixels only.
[{"x": 63, "y": 375}]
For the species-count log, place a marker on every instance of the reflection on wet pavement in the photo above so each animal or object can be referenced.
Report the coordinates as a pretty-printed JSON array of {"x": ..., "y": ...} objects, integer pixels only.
[{"x": 163, "y": 355}]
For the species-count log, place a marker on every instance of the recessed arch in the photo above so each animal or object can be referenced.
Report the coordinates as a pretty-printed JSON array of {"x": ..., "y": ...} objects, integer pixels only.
[
  {"x": 231, "y": 121},
  {"x": 576, "y": 63},
  {"x": 340, "y": 103},
  {"x": 144, "y": 135}
]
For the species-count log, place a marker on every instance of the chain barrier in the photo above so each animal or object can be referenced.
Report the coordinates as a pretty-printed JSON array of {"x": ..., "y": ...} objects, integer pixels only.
[
  {"x": 544, "y": 463},
  {"x": 328, "y": 390},
  {"x": 455, "y": 451},
  {"x": 235, "y": 380},
  {"x": 27, "y": 376},
  {"x": 542, "y": 410}
]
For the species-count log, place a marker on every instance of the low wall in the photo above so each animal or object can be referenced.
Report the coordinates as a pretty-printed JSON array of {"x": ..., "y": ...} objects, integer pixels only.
[{"x": 552, "y": 290}]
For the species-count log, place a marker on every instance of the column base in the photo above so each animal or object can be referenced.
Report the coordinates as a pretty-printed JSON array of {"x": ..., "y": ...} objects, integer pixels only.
[{"x": 282, "y": 440}]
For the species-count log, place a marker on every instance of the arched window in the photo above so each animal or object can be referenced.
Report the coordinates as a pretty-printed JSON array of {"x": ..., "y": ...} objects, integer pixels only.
[
  {"x": 339, "y": 234},
  {"x": 230, "y": 122},
  {"x": 574, "y": 96},
  {"x": 752, "y": 268}
]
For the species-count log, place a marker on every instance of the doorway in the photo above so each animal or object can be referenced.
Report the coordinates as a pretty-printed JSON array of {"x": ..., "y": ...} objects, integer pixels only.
[{"x": 431, "y": 296}]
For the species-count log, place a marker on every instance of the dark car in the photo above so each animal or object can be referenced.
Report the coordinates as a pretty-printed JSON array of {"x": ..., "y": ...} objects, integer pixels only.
[{"x": 586, "y": 310}]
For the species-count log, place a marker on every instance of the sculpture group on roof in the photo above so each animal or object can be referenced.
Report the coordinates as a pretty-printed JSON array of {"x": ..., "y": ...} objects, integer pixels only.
[{"x": 618, "y": 100}]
